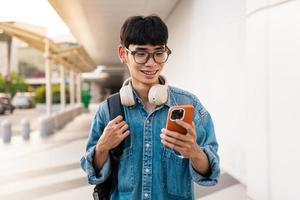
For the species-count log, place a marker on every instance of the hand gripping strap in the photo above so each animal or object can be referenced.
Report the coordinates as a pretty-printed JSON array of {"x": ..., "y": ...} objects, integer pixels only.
[
  {"x": 103, "y": 191},
  {"x": 115, "y": 109}
]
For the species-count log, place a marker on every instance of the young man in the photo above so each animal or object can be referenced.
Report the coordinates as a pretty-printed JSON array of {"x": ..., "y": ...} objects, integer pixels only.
[{"x": 159, "y": 164}]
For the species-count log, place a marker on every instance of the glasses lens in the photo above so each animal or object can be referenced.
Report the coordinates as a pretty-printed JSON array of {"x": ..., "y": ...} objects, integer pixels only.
[
  {"x": 161, "y": 56},
  {"x": 141, "y": 57}
]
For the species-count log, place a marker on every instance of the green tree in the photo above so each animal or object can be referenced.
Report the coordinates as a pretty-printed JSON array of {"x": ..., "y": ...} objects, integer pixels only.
[
  {"x": 40, "y": 94},
  {"x": 2, "y": 83},
  {"x": 13, "y": 83}
]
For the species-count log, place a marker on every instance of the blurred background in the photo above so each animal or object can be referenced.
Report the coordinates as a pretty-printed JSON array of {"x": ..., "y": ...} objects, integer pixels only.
[{"x": 58, "y": 61}]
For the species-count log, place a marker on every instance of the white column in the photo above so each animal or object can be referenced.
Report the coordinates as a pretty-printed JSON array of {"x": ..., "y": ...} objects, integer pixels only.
[
  {"x": 257, "y": 129},
  {"x": 71, "y": 87},
  {"x": 62, "y": 88},
  {"x": 14, "y": 54},
  {"x": 284, "y": 98},
  {"x": 4, "y": 69},
  {"x": 48, "y": 78},
  {"x": 274, "y": 110},
  {"x": 78, "y": 88}
]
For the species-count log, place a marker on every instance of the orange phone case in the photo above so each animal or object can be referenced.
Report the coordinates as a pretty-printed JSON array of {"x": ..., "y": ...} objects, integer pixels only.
[{"x": 187, "y": 117}]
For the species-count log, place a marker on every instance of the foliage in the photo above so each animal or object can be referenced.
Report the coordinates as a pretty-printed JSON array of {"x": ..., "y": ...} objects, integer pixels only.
[
  {"x": 40, "y": 94},
  {"x": 2, "y": 86},
  {"x": 12, "y": 84}
]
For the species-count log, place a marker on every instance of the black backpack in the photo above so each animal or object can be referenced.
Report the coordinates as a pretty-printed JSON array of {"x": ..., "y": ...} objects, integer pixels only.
[{"x": 103, "y": 191}]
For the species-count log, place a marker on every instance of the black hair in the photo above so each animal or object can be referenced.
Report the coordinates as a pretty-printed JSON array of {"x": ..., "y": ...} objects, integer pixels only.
[{"x": 142, "y": 30}]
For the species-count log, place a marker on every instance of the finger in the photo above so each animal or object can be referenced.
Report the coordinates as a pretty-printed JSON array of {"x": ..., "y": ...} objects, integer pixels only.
[
  {"x": 185, "y": 125},
  {"x": 172, "y": 146},
  {"x": 174, "y": 134},
  {"x": 125, "y": 134},
  {"x": 194, "y": 132},
  {"x": 124, "y": 128},
  {"x": 116, "y": 120},
  {"x": 120, "y": 125},
  {"x": 167, "y": 144},
  {"x": 172, "y": 140}
]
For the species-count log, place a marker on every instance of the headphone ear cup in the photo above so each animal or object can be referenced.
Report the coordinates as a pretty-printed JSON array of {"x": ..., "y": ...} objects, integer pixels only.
[
  {"x": 158, "y": 94},
  {"x": 126, "y": 96}
]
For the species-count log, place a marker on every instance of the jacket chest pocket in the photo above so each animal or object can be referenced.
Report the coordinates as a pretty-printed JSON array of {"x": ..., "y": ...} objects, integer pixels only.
[
  {"x": 176, "y": 175},
  {"x": 126, "y": 178}
]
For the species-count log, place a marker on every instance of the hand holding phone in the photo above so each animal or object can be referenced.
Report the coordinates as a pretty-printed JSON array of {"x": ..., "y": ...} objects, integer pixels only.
[{"x": 182, "y": 112}]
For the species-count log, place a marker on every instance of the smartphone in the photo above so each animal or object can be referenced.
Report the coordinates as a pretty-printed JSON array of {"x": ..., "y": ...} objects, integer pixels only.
[{"x": 182, "y": 112}]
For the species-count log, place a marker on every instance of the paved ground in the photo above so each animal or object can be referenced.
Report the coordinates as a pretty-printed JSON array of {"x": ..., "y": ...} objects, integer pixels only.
[
  {"x": 18, "y": 114},
  {"x": 48, "y": 169}
]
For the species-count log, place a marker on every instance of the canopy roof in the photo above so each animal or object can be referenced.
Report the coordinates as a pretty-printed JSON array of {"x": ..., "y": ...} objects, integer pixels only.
[{"x": 74, "y": 57}]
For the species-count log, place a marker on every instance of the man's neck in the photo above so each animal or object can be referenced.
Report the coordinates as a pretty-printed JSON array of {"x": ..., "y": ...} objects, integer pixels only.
[{"x": 143, "y": 91}]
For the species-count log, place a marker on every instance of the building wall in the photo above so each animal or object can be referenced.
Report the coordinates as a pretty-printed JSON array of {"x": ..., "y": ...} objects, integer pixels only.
[
  {"x": 241, "y": 58},
  {"x": 208, "y": 59},
  {"x": 273, "y": 51}
]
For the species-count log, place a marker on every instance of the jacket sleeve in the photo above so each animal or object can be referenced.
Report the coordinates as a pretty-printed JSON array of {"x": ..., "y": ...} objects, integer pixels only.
[
  {"x": 98, "y": 124},
  {"x": 206, "y": 139}
]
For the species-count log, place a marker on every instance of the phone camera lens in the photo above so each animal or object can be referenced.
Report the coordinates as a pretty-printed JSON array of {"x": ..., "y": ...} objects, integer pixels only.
[{"x": 177, "y": 114}]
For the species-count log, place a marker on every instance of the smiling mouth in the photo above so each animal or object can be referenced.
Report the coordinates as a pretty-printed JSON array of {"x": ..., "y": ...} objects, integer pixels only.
[{"x": 149, "y": 72}]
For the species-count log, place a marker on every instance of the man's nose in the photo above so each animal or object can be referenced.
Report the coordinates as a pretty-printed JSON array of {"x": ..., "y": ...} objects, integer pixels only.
[{"x": 151, "y": 60}]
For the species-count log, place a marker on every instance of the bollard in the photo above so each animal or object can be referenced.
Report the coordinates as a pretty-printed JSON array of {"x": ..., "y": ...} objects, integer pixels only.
[
  {"x": 6, "y": 131},
  {"x": 25, "y": 129},
  {"x": 46, "y": 126}
]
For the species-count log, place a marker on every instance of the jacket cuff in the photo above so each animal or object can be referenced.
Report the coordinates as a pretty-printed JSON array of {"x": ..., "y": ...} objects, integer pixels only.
[
  {"x": 95, "y": 177},
  {"x": 212, "y": 179}
]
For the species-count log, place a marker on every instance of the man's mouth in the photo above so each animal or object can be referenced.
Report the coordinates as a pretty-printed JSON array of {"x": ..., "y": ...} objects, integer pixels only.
[{"x": 149, "y": 72}]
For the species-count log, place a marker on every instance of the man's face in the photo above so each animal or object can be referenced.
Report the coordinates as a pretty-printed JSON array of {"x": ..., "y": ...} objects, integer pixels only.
[{"x": 147, "y": 72}]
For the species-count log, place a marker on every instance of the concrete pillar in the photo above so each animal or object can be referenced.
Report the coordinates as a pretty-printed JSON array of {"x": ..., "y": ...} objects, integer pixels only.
[
  {"x": 48, "y": 77},
  {"x": 3, "y": 58},
  {"x": 258, "y": 162},
  {"x": 78, "y": 88},
  {"x": 62, "y": 88},
  {"x": 6, "y": 131},
  {"x": 25, "y": 129},
  {"x": 71, "y": 86},
  {"x": 9, "y": 42},
  {"x": 46, "y": 126},
  {"x": 15, "y": 43},
  {"x": 274, "y": 110}
]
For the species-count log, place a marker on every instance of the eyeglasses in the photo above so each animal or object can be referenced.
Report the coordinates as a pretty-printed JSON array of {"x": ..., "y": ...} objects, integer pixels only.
[{"x": 142, "y": 57}]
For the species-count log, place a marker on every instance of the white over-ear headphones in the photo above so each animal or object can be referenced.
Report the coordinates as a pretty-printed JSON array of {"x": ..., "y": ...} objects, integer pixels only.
[{"x": 158, "y": 94}]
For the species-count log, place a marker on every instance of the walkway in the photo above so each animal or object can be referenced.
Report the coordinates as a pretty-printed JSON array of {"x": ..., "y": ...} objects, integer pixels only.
[{"x": 49, "y": 169}]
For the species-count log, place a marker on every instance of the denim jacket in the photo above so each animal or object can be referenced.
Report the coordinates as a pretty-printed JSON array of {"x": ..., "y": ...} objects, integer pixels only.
[{"x": 147, "y": 169}]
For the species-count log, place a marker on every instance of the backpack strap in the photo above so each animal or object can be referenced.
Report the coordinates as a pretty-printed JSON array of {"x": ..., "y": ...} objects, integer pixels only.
[
  {"x": 103, "y": 191},
  {"x": 115, "y": 108}
]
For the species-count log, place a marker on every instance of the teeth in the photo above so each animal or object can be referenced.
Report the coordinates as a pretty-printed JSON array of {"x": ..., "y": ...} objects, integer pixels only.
[{"x": 149, "y": 72}]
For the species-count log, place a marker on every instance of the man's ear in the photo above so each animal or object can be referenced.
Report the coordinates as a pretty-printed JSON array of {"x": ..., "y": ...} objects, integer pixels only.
[{"x": 122, "y": 54}]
